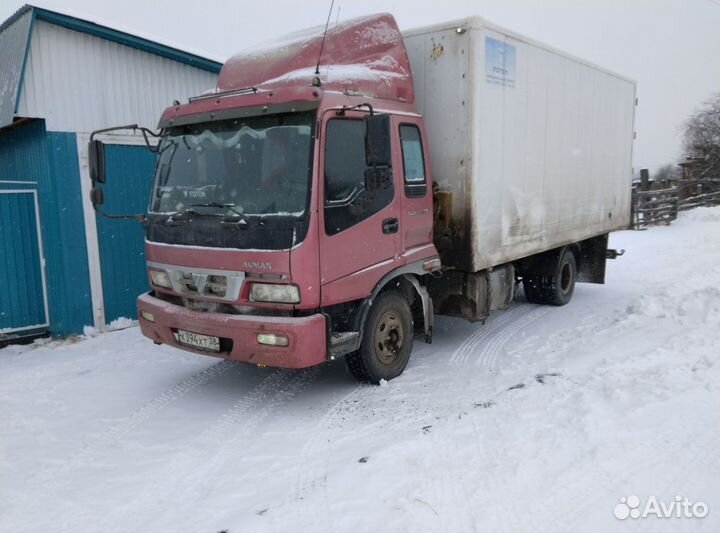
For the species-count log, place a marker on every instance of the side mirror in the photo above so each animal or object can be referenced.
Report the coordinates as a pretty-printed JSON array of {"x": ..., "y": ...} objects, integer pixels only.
[
  {"x": 96, "y": 164},
  {"x": 377, "y": 140},
  {"x": 96, "y": 160},
  {"x": 97, "y": 197}
]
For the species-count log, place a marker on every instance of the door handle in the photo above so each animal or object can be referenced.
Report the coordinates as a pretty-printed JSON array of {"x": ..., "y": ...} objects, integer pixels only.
[{"x": 390, "y": 225}]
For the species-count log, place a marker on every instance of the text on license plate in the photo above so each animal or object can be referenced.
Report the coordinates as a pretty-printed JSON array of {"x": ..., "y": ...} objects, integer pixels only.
[{"x": 204, "y": 342}]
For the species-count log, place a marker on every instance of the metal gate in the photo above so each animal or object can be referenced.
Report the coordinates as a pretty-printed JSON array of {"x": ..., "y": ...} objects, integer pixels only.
[
  {"x": 121, "y": 243},
  {"x": 23, "y": 288}
]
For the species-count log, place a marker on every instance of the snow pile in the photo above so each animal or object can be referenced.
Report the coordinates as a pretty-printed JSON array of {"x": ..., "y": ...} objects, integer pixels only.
[
  {"x": 540, "y": 420},
  {"x": 115, "y": 325}
]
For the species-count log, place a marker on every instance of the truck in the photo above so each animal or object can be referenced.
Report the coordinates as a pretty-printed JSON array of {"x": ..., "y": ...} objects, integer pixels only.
[{"x": 343, "y": 185}]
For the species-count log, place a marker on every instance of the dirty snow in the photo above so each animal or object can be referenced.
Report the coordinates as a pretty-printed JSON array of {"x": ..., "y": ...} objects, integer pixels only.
[{"x": 540, "y": 420}]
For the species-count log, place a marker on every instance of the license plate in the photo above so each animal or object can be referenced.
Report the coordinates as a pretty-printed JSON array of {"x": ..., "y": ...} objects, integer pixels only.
[{"x": 204, "y": 342}]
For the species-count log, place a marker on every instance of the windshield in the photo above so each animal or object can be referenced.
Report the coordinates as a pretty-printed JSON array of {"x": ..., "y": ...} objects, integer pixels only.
[{"x": 257, "y": 166}]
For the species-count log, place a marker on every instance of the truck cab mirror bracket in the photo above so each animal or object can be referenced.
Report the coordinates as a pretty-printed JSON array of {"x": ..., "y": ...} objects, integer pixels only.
[
  {"x": 344, "y": 109},
  {"x": 96, "y": 164},
  {"x": 146, "y": 133}
]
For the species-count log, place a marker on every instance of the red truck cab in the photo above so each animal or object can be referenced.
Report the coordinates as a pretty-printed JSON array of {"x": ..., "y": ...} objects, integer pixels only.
[{"x": 291, "y": 220}]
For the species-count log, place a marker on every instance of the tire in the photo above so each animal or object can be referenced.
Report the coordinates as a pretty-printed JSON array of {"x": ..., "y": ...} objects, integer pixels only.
[
  {"x": 387, "y": 341},
  {"x": 553, "y": 290}
]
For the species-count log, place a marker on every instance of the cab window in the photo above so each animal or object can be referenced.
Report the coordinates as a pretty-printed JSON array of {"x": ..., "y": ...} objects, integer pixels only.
[
  {"x": 413, "y": 161},
  {"x": 347, "y": 202}
]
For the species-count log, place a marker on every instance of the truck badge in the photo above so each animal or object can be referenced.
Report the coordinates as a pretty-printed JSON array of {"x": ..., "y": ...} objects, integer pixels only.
[{"x": 257, "y": 265}]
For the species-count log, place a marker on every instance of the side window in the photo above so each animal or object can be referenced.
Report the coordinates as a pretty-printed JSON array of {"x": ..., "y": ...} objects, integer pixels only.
[
  {"x": 413, "y": 161},
  {"x": 347, "y": 202}
]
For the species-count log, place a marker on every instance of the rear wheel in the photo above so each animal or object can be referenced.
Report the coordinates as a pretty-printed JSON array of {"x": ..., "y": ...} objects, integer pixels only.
[
  {"x": 387, "y": 341},
  {"x": 556, "y": 289}
]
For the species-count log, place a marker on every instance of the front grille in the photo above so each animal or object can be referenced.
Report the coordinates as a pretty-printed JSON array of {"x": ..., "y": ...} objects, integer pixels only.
[
  {"x": 187, "y": 283},
  {"x": 202, "y": 285},
  {"x": 212, "y": 284},
  {"x": 217, "y": 285}
]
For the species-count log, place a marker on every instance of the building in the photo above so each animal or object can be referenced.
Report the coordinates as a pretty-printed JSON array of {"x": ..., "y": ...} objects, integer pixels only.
[{"x": 61, "y": 77}]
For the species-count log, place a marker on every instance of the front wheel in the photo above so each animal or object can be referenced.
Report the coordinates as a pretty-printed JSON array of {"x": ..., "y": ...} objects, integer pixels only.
[{"x": 387, "y": 340}]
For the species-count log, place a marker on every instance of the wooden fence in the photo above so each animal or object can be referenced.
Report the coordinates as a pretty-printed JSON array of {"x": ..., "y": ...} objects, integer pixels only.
[{"x": 661, "y": 206}]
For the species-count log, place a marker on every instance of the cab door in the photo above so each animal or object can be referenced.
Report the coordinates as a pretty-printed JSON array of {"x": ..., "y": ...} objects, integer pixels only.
[
  {"x": 360, "y": 233},
  {"x": 416, "y": 186}
]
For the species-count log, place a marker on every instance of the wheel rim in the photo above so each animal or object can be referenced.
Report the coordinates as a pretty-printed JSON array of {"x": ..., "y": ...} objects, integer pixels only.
[
  {"x": 566, "y": 276},
  {"x": 389, "y": 337}
]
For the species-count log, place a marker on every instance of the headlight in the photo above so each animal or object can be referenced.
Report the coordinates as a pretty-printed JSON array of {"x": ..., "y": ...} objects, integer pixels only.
[
  {"x": 160, "y": 278},
  {"x": 283, "y": 294}
]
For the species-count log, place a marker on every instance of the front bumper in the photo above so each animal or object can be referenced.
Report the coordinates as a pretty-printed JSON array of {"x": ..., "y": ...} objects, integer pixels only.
[{"x": 238, "y": 333}]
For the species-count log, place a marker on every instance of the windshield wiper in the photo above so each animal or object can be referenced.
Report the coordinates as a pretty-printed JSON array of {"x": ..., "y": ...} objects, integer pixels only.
[
  {"x": 218, "y": 205},
  {"x": 182, "y": 215},
  {"x": 186, "y": 215},
  {"x": 237, "y": 217}
]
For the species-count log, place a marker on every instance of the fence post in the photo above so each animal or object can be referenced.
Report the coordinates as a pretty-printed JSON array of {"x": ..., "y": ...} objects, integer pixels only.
[{"x": 644, "y": 179}]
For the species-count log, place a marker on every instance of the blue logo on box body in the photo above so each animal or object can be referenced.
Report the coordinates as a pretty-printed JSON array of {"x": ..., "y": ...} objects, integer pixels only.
[{"x": 499, "y": 63}]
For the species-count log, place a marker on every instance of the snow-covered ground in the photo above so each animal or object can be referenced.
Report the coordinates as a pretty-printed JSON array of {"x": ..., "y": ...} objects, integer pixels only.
[{"x": 540, "y": 420}]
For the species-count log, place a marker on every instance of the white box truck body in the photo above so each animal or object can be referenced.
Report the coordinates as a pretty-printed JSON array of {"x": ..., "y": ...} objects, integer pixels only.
[{"x": 533, "y": 145}]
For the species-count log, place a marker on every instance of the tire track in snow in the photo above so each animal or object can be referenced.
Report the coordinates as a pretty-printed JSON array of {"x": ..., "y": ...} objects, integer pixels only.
[
  {"x": 310, "y": 491},
  {"x": 98, "y": 445},
  {"x": 172, "y": 394},
  {"x": 311, "y": 483},
  {"x": 465, "y": 350},
  {"x": 448, "y": 491},
  {"x": 492, "y": 351},
  {"x": 310, "y": 494},
  {"x": 191, "y": 471},
  {"x": 51, "y": 480}
]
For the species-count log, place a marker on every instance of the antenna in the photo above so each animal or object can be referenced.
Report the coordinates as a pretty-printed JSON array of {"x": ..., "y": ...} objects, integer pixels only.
[
  {"x": 327, "y": 74},
  {"x": 322, "y": 43}
]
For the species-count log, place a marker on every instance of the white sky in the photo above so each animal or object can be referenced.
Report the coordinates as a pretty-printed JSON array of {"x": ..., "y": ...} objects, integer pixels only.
[{"x": 671, "y": 47}]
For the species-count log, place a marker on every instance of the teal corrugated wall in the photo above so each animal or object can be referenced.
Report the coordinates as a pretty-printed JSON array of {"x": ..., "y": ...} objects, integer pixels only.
[
  {"x": 28, "y": 153},
  {"x": 22, "y": 302}
]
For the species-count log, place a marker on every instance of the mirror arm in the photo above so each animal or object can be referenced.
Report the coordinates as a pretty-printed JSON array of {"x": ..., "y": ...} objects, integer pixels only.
[
  {"x": 145, "y": 133},
  {"x": 134, "y": 127},
  {"x": 114, "y": 128}
]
